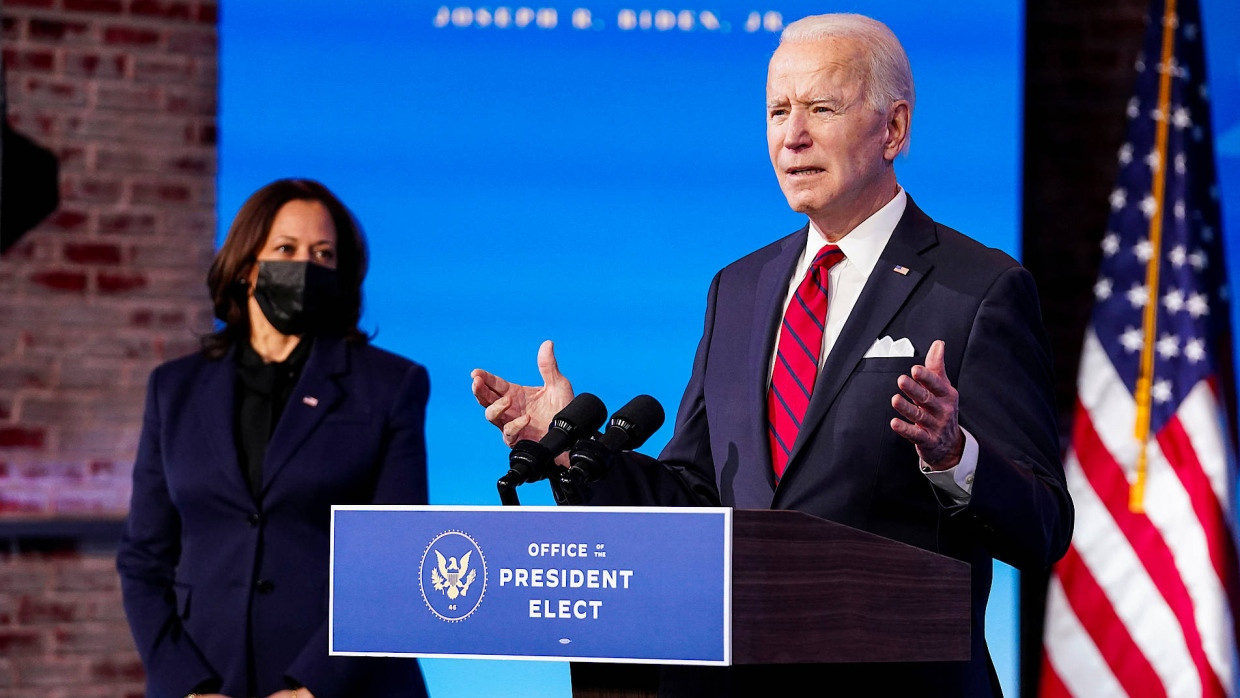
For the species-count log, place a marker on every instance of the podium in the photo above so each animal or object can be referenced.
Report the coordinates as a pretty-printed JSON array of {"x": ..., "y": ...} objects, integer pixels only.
[{"x": 617, "y": 591}]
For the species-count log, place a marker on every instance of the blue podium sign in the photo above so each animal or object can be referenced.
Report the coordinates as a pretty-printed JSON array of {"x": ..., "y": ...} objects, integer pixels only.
[{"x": 605, "y": 584}]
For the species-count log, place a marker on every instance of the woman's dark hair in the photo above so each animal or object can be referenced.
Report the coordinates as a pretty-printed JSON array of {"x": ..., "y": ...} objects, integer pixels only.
[{"x": 228, "y": 278}]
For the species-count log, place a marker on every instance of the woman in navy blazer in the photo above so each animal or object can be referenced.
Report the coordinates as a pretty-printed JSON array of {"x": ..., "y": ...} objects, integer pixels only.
[{"x": 247, "y": 444}]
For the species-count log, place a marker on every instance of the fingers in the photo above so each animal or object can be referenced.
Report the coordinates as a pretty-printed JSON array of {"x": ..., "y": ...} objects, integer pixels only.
[
  {"x": 916, "y": 392},
  {"x": 928, "y": 402},
  {"x": 494, "y": 412},
  {"x": 482, "y": 390},
  {"x": 933, "y": 373},
  {"x": 523, "y": 411},
  {"x": 911, "y": 432},
  {"x": 928, "y": 410},
  {"x": 556, "y": 391},
  {"x": 918, "y": 426},
  {"x": 548, "y": 367},
  {"x": 487, "y": 387},
  {"x": 908, "y": 409},
  {"x": 934, "y": 357},
  {"x": 512, "y": 430}
]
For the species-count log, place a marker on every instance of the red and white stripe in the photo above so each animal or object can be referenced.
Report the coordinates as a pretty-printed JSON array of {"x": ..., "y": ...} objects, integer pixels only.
[{"x": 1141, "y": 604}]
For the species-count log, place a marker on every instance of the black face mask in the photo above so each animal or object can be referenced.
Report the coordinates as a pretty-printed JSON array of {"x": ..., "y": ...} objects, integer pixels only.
[{"x": 296, "y": 297}]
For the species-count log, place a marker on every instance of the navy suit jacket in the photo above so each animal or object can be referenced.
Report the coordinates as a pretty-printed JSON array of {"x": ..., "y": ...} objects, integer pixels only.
[
  {"x": 847, "y": 465},
  {"x": 218, "y": 583}
]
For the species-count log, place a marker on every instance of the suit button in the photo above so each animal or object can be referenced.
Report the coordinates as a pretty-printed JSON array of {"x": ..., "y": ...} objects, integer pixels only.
[
  {"x": 253, "y": 520},
  {"x": 264, "y": 586}
]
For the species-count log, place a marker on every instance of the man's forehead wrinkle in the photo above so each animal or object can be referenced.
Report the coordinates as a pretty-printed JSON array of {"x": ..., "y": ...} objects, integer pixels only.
[{"x": 827, "y": 81}]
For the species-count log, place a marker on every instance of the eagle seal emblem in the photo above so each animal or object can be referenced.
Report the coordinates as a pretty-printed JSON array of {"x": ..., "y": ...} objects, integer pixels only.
[{"x": 453, "y": 576}]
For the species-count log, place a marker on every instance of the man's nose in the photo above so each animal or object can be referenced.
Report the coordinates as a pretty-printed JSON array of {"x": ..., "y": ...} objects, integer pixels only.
[{"x": 796, "y": 133}]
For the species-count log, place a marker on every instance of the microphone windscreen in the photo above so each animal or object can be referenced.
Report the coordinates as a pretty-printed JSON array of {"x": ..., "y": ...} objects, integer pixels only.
[
  {"x": 585, "y": 413},
  {"x": 639, "y": 418}
]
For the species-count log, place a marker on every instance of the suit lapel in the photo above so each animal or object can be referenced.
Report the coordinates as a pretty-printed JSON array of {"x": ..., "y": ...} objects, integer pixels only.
[
  {"x": 885, "y": 292},
  {"x": 314, "y": 396},
  {"x": 216, "y": 410},
  {"x": 768, "y": 313}
]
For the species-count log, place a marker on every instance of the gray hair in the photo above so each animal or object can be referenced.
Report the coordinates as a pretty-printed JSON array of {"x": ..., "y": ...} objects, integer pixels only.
[{"x": 889, "y": 77}]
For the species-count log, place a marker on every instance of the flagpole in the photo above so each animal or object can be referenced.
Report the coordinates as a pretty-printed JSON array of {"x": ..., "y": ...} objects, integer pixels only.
[{"x": 1145, "y": 379}]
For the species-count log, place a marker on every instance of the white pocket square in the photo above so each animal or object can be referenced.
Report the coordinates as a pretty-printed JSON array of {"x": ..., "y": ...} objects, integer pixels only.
[{"x": 887, "y": 347}]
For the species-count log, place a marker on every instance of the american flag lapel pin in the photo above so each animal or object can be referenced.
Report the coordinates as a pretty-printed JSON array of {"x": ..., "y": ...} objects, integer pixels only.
[
  {"x": 901, "y": 270},
  {"x": 310, "y": 401}
]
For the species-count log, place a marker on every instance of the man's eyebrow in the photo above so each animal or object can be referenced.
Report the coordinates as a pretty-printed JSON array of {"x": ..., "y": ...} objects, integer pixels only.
[
  {"x": 784, "y": 101},
  {"x": 829, "y": 99}
]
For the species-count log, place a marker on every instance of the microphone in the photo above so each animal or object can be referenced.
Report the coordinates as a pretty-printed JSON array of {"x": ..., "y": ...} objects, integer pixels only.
[
  {"x": 592, "y": 458},
  {"x": 531, "y": 461}
]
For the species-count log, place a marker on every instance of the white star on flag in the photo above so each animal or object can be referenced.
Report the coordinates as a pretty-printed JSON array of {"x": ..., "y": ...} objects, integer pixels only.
[{"x": 1173, "y": 301}]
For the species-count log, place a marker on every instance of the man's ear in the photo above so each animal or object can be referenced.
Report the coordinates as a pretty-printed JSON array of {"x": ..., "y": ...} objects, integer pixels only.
[{"x": 898, "y": 123}]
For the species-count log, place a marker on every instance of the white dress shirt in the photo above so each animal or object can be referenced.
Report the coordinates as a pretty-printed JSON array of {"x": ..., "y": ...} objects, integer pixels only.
[{"x": 862, "y": 247}]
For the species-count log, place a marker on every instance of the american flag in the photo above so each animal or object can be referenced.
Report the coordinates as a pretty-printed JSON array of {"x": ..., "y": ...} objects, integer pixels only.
[{"x": 1143, "y": 602}]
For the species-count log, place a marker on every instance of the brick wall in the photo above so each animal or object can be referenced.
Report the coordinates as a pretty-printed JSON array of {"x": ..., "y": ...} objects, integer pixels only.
[
  {"x": 62, "y": 629},
  {"x": 109, "y": 285},
  {"x": 124, "y": 92}
]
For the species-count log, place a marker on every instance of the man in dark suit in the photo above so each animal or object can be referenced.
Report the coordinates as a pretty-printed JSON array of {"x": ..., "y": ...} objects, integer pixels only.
[{"x": 874, "y": 368}]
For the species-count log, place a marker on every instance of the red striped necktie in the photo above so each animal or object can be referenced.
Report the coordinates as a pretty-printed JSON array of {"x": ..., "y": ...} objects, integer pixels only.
[{"x": 796, "y": 360}]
